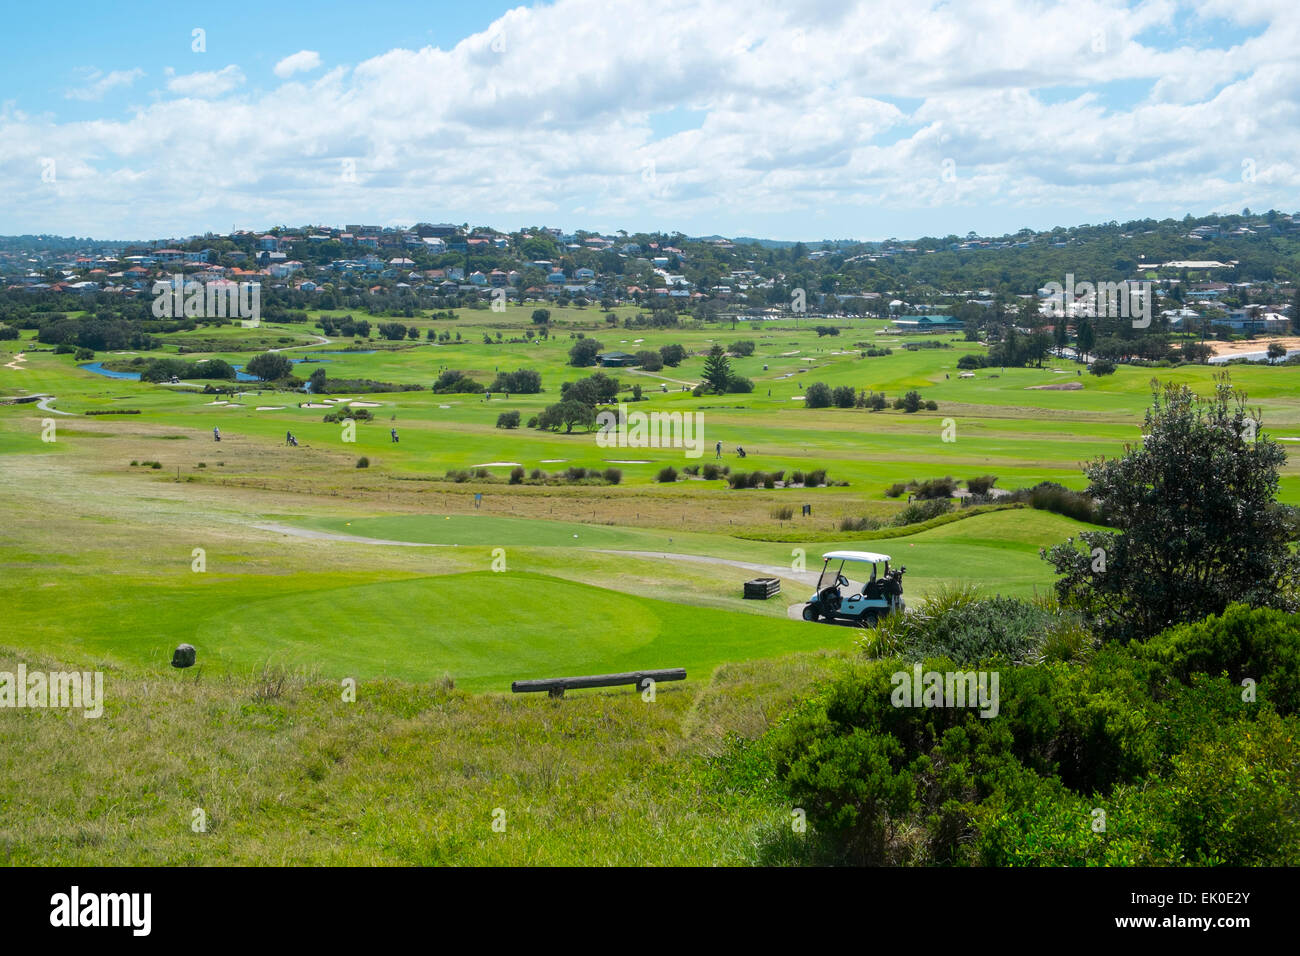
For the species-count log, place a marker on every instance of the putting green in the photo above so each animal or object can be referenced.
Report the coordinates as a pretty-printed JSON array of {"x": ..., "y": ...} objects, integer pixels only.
[{"x": 486, "y": 629}]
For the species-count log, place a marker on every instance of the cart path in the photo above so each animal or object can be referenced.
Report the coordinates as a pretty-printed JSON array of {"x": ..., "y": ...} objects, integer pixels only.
[
  {"x": 44, "y": 405},
  {"x": 804, "y": 577},
  {"x": 321, "y": 340},
  {"x": 331, "y": 536}
]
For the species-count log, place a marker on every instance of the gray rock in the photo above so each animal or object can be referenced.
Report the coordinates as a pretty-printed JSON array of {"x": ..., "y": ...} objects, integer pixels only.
[{"x": 184, "y": 656}]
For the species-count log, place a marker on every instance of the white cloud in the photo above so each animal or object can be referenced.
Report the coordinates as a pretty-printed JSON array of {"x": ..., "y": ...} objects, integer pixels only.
[
  {"x": 206, "y": 85},
  {"x": 99, "y": 83},
  {"x": 809, "y": 112},
  {"x": 304, "y": 61}
]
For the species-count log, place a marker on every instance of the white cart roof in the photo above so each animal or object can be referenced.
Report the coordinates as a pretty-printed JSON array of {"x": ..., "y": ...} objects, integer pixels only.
[{"x": 869, "y": 556}]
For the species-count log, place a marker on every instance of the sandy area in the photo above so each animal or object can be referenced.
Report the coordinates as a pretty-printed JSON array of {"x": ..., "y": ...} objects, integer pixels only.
[
  {"x": 499, "y": 464},
  {"x": 1057, "y": 387},
  {"x": 270, "y": 408},
  {"x": 1259, "y": 344},
  {"x": 314, "y": 405},
  {"x": 20, "y": 357},
  {"x": 367, "y": 404}
]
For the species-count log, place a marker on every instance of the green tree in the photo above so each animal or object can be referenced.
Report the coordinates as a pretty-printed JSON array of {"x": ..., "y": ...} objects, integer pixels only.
[
  {"x": 672, "y": 354},
  {"x": 1086, "y": 338},
  {"x": 567, "y": 414},
  {"x": 817, "y": 395},
  {"x": 584, "y": 352},
  {"x": 270, "y": 366},
  {"x": 717, "y": 370},
  {"x": 1198, "y": 524}
]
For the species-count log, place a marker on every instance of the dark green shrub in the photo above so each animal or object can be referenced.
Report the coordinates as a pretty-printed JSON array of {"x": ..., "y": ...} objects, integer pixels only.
[
  {"x": 922, "y": 510},
  {"x": 935, "y": 488},
  {"x": 1259, "y": 644}
]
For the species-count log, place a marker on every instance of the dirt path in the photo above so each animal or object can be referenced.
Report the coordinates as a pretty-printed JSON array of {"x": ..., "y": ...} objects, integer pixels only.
[{"x": 331, "y": 536}]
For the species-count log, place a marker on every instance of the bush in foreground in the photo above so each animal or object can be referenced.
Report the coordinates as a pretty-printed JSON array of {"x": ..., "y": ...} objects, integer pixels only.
[{"x": 1187, "y": 771}]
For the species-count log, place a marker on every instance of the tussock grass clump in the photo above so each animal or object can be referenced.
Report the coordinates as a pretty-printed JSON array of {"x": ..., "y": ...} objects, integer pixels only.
[
  {"x": 960, "y": 623},
  {"x": 862, "y": 523}
]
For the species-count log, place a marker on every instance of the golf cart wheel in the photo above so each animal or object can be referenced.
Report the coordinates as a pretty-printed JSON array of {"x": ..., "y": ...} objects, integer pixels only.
[
  {"x": 868, "y": 618},
  {"x": 809, "y": 613}
]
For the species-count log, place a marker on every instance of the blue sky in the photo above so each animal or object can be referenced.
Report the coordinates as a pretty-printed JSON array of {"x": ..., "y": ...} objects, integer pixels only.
[{"x": 808, "y": 119}]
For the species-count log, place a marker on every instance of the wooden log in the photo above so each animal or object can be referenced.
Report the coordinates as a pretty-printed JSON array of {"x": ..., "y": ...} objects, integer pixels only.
[{"x": 556, "y": 686}]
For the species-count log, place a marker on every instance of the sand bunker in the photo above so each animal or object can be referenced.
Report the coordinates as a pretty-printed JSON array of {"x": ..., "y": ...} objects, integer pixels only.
[
  {"x": 270, "y": 408},
  {"x": 313, "y": 405},
  {"x": 788, "y": 354},
  {"x": 499, "y": 464},
  {"x": 1254, "y": 345},
  {"x": 556, "y": 461},
  {"x": 1057, "y": 387},
  {"x": 366, "y": 404},
  {"x": 217, "y": 403}
]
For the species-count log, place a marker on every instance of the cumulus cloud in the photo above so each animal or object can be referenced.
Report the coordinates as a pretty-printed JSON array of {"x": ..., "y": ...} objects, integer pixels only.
[
  {"x": 212, "y": 83},
  {"x": 304, "y": 61},
  {"x": 851, "y": 114},
  {"x": 98, "y": 83}
]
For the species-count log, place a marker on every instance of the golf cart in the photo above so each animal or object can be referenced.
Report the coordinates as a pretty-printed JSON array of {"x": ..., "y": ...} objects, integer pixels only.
[{"x": 838, "y": 599}]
